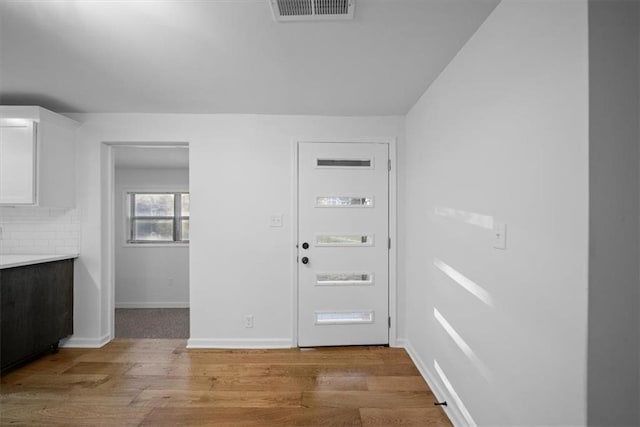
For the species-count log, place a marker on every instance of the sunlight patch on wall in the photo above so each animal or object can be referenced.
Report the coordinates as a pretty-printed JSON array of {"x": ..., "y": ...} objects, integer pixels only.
[
  {"x": 484, "y": 221},
  {"x": 468, "y": 284},
  {"x": 462, "y": 344}
]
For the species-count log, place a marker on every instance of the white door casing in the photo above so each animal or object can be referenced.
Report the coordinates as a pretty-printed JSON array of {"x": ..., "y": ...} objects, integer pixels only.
[{"x": 343, "y": 254}]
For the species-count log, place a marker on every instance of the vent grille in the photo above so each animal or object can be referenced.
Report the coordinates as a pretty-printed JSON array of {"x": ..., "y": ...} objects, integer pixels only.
[
  {"x": 331, "y": 7},
  {"x": 295, "y": 7},
  {"x": 316, "y": 10}
]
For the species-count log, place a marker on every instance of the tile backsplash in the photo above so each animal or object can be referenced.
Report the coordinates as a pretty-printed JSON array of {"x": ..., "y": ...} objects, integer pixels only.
[{"x": 36, "y": 230}]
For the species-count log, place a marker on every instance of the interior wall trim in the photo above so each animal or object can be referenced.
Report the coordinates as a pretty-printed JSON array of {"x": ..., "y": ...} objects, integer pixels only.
[
  {"x": 452, "y": 411},
  {"x": 237, "y": 343},
  {"x": 85, "y": 342},
  {"x": 184, "y": 304}
]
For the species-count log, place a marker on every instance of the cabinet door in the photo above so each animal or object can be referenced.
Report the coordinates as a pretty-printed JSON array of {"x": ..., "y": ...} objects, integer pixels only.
[
  {"x": 36, "y": 309},
  {"x": 17, "y": 163}
]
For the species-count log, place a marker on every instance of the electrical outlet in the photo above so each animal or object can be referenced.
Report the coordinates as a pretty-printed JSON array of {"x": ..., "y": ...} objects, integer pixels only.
[
  {"x": 275, "y": 221},
  {"x": 248, "y": 321}
]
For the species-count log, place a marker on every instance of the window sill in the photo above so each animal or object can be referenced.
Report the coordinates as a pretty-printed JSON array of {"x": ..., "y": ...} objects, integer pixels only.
[{"x": 155, "y": 245}]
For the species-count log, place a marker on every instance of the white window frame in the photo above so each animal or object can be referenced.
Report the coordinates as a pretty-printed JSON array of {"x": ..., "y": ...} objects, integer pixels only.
[{"x": 177, "y": 219}]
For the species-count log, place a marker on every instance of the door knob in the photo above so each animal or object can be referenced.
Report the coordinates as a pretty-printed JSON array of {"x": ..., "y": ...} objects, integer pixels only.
[
  {"x": 305, "y": 245},
  {"x": 305, "y": 260}
]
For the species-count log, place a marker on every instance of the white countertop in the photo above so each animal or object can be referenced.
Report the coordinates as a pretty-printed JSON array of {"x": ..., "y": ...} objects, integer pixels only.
[{"x": 17, "y": 260}]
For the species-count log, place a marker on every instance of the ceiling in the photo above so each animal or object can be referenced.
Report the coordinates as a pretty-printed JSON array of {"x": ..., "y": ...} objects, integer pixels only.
[
  {"x": 151, "y": 157},
  {"x": 226, "y": 56}
]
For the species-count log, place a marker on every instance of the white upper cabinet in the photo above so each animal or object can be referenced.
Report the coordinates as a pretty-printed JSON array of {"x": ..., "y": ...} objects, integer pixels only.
[
  {"x": 37, "y": 157},
  {"x": 17, "y": 162}
]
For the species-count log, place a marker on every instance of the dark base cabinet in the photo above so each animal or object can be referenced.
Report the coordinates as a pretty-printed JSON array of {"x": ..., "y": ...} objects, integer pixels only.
[{"x": 37, "y": 310}]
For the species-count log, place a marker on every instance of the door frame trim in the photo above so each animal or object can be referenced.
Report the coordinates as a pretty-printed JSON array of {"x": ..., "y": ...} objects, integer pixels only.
[
  {"x": 393, "y": 232},
  {"x": 108, "y": 226}
]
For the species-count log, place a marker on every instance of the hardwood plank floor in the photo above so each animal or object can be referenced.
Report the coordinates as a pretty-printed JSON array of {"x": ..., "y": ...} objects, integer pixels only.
[{"x": 160, "y": 382}]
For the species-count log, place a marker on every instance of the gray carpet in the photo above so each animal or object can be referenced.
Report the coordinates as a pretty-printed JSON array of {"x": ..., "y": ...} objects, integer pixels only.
[{"x": 152, "y": 323}]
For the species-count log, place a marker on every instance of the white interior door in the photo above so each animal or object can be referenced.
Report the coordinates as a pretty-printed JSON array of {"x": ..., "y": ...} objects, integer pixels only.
[{"x": 343, "y": 252}]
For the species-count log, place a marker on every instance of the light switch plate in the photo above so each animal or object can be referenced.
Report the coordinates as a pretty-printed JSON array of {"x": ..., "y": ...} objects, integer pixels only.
[
  {"x": 275, "y": 221},
  {"x": 500, "y": 235}
]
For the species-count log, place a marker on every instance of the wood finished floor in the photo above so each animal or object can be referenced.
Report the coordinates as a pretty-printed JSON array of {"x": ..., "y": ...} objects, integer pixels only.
[{"x": 160, "y": 382}]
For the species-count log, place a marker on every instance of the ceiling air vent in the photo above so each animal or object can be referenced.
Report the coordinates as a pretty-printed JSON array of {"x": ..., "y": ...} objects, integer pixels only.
[{"x": 312, "y": 10}]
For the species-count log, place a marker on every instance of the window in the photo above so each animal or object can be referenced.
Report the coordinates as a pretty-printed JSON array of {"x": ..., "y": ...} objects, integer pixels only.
[
  {"x": 158, "y": 217},
  {"x": 343, "y": 317},
  {"x": 344, "y": 240},
  {"x": 344, "y": 279},
  {"x": 349, "y": 163},
  {"x": 341, "y": 202}
]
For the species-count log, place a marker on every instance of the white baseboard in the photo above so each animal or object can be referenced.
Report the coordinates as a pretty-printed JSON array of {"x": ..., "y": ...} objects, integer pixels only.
[
  {"x": 82, "y": 342},
  {"x": 452, "y": 411},
  {"x": 152, "y": 305},
  {"x": 232, "y": 343}
]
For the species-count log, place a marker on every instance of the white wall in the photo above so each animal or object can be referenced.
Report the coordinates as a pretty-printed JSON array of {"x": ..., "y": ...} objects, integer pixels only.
[
  {"x": 502, "y": 135},
  {"x": 240, "y": 172},
  {"x": 149, "y": 275},
  {"x": 614, "y": 282}
]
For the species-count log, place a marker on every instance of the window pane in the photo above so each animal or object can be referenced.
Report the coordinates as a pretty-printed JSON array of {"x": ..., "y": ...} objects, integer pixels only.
[
  {"x": 185, "y": 204},
  {"x": 344, "y": 163},
  {"x": 339, "y": 201},
  {"x": 153, "y": 204},
  {"x": 343, "y": 318},
  {"x": 185, "y": 229},
  {"x": 344, "y": 279},
  {"x": 153, "y": 229},
  {"x": 344, "y": 240}
]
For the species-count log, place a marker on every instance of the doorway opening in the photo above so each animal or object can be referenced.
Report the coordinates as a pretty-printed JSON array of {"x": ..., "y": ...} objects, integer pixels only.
[{"x": 150, "y": 212}]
